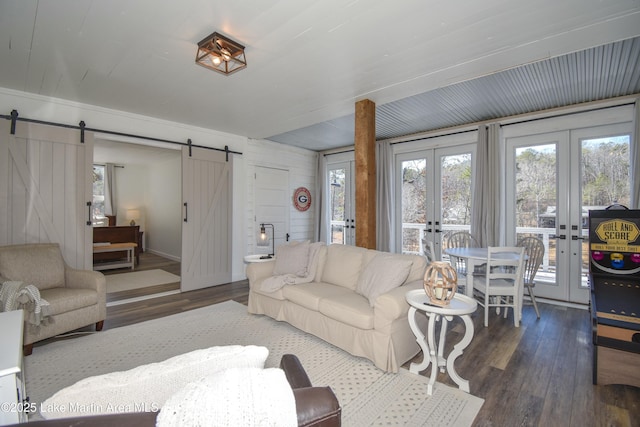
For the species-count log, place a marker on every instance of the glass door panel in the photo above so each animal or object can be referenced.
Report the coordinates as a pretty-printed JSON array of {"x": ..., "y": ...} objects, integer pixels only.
[
  {"x": 435, "y": 190},
  {"x": 537, "y": 205},
  {"x": 341, "y": 204},
  {"x": 414, "y": 204},
  {"x": 455, "y": 192},
  {"x": 557, "y": 178},
  {"x": 604, "y": 178}
]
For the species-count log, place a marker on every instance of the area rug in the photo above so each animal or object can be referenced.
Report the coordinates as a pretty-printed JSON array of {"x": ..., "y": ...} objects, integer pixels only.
[
  {"x": 138, "y": 279},
  {"x": 367, "y": 395}
]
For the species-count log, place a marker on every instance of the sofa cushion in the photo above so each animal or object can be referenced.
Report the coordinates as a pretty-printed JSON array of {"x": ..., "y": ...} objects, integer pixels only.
[
  {"x": 381, "y": 274},
  {"x": 292, "y": 259},
  {"x": 417, "y": 269},
  {"x": 342, "y": 265},
  {"x": 147, "y": 387},
  {"x": 63, "y": 300},
  {"x": 351, "y": 309},
  {"x": 41, "y": 265},
  {"x": 309, "y": 295}
]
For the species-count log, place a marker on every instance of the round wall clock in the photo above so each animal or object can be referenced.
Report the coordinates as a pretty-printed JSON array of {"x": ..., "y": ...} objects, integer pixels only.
[{"x": 302, "y": 199}]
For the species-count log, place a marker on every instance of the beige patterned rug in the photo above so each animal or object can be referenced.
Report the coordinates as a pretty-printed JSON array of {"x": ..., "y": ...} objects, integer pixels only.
[{"x": 368, "y": 396}]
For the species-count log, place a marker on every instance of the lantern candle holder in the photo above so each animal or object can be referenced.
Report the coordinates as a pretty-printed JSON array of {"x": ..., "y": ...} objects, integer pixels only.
[{"x": 440, "y": 283}]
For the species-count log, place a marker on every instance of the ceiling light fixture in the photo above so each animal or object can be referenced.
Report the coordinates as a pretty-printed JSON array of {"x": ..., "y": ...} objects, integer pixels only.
[{"x": 221, "y": 54}]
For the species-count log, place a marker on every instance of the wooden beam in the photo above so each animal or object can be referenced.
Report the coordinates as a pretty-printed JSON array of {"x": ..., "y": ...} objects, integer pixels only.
[{"x": 365, "y": 158}]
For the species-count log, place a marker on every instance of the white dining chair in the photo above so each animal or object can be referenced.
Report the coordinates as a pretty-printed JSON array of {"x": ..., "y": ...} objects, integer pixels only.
[
  {"x": 429, "y": 250},
  {"x": 502, "y": 285},
  {"x": 534, "y": 250},
  {"x": 461, "y": 239}
]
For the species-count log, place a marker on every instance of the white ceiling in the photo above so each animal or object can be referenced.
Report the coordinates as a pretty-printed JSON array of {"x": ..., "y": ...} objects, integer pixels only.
[{"x": 308, "y": 61}]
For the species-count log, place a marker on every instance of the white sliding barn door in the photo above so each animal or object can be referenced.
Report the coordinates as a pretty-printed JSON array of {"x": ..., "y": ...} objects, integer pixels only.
[
  {"x": 207, "y": 218},
  {"x": 45, "y": 184}
]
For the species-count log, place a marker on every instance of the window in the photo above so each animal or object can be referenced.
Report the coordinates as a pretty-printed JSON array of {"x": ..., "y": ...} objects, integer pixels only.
[{"x": 97, "y": 208}]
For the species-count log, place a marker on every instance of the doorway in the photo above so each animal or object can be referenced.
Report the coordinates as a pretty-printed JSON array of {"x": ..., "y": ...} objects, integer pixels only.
[
  {"x": 342, "y": 205},
  {"x": 146, "y": 179},
  {"x": 435, "y": 189},
  {"x": 556, "y": 178}
]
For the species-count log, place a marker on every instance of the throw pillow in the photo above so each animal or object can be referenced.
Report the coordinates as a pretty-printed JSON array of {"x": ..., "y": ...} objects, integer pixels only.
[
  {"x": 235, "y": 397},
  {"x": 292, "y": 259},
  {"x": 147, "y": 387},
  {"x": 382, "y": 274},
  {"x": 343, "y": 264}
]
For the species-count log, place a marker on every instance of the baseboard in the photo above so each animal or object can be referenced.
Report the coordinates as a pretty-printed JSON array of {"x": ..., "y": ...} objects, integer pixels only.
[
  {"x": 162, "y": 254},
  {"x": 560, "y": 303}
]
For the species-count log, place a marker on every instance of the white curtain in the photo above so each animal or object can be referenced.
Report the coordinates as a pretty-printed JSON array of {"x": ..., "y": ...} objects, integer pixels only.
[
  {"x": 321, "y": 211},
  {"x": 485, "y": 216},
  {"x": 635, "y": 158},
  {"x": 385, "y": 203},
  {"x": 109, "y": 189}
]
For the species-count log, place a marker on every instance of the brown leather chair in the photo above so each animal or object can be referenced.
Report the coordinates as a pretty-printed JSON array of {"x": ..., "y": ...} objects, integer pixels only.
[{"x": 316, "y": 406}]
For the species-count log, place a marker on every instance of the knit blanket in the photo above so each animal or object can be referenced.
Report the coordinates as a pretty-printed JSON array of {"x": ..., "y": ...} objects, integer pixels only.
[
  {"x": 234, "y": 397},
  {"x": 16, "y": 295},
  {"x": 273, "y": 283}
]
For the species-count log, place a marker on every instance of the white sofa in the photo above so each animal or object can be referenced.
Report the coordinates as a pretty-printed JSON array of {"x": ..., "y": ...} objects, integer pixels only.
[{"x": 355, "y": 300}]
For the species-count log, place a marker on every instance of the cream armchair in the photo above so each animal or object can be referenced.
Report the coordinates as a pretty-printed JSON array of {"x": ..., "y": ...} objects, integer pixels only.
[{"x": 77, "y": 298}]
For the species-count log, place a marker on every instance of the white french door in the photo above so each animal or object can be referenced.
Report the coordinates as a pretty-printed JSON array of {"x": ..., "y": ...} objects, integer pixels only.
[
  {"x": 207, "y": 218},
  {"x": 435, "y": 189},
  {"x": 46, "y": 189},
  {"x": 342, "y": 206},
  {"x": 553, "y": 180}
]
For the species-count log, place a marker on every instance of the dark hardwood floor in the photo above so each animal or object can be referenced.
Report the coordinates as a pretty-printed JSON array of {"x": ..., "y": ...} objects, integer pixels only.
[{"x": 539, "y": 374}]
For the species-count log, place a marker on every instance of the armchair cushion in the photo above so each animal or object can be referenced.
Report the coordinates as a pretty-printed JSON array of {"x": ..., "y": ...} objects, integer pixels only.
[
  {"x": 63, "y": 300},
  {"x": 40, "y": 265}
]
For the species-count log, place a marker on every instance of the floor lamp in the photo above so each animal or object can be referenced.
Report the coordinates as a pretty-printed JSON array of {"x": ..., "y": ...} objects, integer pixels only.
[{"x": 264, "y": 239}]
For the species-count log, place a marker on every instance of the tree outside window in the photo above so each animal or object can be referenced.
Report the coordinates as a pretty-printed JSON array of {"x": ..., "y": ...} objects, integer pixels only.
[{"x": 97, "y": 208}]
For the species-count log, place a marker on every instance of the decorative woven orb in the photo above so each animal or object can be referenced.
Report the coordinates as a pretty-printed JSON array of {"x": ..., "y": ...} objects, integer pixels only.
[{"x": 440, "y": 282}]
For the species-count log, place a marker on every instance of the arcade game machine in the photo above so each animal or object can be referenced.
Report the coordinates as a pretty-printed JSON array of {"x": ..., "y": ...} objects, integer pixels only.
[{"x": 614, "y": 252}]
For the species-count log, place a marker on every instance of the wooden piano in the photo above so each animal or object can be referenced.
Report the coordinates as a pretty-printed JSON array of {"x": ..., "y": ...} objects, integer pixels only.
[{"x": 119, "y": 234}]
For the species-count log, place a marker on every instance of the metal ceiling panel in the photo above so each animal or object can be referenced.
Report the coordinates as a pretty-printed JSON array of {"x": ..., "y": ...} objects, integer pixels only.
[{"x": 599, "y": 73}]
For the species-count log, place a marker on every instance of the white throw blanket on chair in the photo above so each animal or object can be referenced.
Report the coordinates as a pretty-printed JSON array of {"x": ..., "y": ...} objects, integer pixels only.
[
  {"x": 15, "y": 295},
  {"x": 248, "y": 397}
]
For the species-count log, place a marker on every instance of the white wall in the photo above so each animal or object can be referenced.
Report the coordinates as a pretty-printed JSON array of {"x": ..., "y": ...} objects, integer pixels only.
[
  {"x": 163, "y": 228},
  {"x": 302, "y": 166},
  {"x": 301, "y": 163},
  {"x": 131, "y": 187}
]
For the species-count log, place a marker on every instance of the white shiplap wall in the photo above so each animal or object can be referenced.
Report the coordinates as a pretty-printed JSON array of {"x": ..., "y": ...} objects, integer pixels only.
[{"x": 302, "y": 166}]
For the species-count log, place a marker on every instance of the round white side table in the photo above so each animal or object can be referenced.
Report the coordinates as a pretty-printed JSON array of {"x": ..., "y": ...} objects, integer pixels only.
[
  {"x": 433, "y": 352},
  {"x": 257, "y": 258}
]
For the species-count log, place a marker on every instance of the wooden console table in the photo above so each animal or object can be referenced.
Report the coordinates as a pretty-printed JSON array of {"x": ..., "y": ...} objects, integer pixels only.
[{"x": 128, "y": 262}]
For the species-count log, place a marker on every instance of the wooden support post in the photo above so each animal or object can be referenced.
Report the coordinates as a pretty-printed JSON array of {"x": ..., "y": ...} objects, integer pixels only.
[{"x": 365, "y": 158}]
